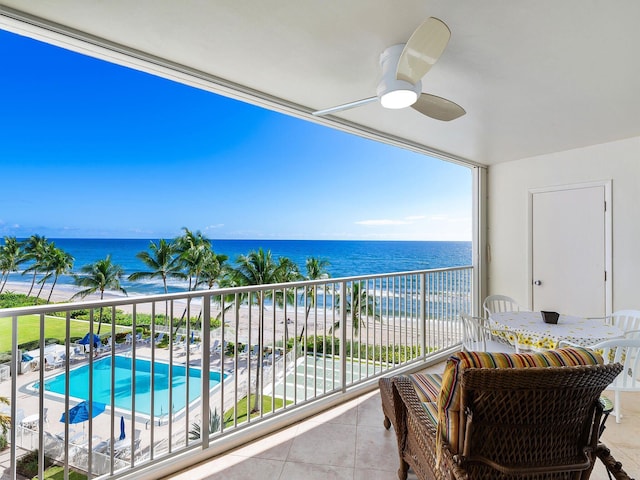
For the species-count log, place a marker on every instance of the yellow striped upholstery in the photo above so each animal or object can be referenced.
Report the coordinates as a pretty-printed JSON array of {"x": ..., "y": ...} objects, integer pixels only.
[
  {"x": 427, "y": 386},
  {"x": 432, "y": 410},
  {"x": 449, "y": 397}
]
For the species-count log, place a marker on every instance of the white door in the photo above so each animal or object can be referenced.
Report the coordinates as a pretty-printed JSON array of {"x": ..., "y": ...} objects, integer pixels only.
[{"x": 569, "y": 250}]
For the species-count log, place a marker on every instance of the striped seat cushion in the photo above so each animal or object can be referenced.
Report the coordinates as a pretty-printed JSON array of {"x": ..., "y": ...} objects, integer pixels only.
[
  {"x": 449, "y": 397},
  {"x": 432, "y": 411},
  {"x": 427, "y": 386}
]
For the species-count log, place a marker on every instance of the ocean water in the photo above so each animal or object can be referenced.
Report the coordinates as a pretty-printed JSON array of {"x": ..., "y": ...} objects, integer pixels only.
[{"x": 346, "y": 258}]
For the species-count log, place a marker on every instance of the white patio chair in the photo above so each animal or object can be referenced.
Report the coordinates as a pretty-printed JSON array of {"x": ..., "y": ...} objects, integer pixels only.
[
  {"x": 501, "y": 303},
  {"x": 52, "y": 362},
  {"x": 158, "y": 338},
  {"x": 179, "y": 342},
  {"x": 77, "y": 354},
  {"x": 479, "y": 337},
  {"x": 626, "y": 320},
  {"x": 627, "y": 352},
  {"x": 632, "y": 334}
]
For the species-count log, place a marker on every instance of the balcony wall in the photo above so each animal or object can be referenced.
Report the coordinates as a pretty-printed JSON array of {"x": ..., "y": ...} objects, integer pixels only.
[{"x": 508, "y": 214}]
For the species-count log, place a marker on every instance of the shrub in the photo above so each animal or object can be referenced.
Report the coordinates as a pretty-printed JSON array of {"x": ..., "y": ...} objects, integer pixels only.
[
  {"x": 27, "y": 465},
  {"x": 328, "y": 345},
  {"x": 13, "y": 300},
  {"x": 230, "y": 351}
]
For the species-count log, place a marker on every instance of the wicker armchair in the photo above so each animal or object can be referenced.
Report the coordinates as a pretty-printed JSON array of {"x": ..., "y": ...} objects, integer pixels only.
[{"x": 514, "y": 423}]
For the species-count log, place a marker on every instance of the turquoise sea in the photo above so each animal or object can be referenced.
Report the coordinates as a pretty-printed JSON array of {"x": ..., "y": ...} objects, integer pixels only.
[{"x": 346, "y": 258}]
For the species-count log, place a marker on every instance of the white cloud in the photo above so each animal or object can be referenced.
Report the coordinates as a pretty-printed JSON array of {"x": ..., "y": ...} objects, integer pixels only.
[
  {"x": 382, "y": 222},
  {"x": 214, "y": 227},
  {"x": 415, "y": 217}
]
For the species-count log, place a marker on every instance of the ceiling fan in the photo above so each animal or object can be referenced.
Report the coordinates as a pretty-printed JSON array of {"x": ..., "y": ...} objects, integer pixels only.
[{"x": 403, "y": 67}]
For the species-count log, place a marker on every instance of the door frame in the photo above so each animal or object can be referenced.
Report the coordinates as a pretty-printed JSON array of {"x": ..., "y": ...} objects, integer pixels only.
[{"x": 608, "y": 236}]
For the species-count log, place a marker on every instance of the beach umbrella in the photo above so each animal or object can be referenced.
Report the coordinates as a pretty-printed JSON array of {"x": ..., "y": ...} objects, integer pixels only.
[
  {"x": 122, "y": 432},
  {"x": 80, "y": 413},
  {"x": 87, "y": 340}
]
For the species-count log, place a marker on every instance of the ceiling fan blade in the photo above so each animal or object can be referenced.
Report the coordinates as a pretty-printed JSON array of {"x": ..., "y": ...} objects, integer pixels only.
[
  {"x": 422, "y": 50},
  {"x": 345, "y": 106},
  {"x": 438, "y": 107}
]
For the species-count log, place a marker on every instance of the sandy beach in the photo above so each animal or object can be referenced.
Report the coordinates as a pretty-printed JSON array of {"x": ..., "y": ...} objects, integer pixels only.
[
  {"x": 61, "y": 293},
  {"x": 244, "y": 324}
]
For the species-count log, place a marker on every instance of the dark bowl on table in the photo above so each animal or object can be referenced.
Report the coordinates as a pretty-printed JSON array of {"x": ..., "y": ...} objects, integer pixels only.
[{"x": 550, "y": 317}]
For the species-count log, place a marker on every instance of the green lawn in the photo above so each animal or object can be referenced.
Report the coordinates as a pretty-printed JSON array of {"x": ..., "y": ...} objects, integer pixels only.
[
  {"x": 242, "y": 409},
  {"x": 54, "y": 328}
]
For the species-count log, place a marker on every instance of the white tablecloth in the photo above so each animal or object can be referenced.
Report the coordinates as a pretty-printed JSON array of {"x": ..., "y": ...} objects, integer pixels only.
[{"x": 531, "y": 331}]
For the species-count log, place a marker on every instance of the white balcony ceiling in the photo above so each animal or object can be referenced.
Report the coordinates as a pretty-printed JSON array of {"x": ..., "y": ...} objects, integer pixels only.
[{"x": 534, "y": 76}]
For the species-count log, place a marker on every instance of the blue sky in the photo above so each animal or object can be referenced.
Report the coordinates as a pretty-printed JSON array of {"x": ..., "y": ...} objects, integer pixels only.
[{"x": 90, "y": 149}]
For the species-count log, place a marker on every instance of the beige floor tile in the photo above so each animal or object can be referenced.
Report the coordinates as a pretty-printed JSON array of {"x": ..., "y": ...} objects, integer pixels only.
[
  {"x": 343, "y": 414},
  {"x": 325, "y": 444},
  {"x": 273, "y": 447},
  {"x": 370, "y": 411},
  {"x": 247, "y": 468},
  {"x": 307, "y": 471},
  {"x": 376, "y": 448}
]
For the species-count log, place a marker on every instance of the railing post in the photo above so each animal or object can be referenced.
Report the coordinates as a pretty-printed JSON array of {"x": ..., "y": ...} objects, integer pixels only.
[
  {"x": 14, "y": 392},
  {"x": 205, "y": 342},
  {"x": 343, "y": 336},
  {"x": 423, "y": 314}
]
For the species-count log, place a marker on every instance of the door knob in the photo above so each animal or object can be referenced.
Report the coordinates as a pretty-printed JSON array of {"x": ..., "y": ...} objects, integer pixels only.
[{"x": 537, "y": 282}]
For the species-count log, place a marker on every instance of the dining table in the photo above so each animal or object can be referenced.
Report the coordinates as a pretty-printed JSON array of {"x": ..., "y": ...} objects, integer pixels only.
[{"x": 529, "y": 331}]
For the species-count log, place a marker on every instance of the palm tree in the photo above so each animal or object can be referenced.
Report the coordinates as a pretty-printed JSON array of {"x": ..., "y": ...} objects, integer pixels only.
[
  {"x": 53, "y": 259},
  {"x": 98, "y": 277},
  {"x": 259, "y": 268},
  {"x": 34, "y": 250},
  {"x": 316, "y": 270},
  {"x": 193, "y": 248},
  {"x": 11, "y": 255},
  {"x": 358, "y": 303},
  {"x": 213, "y": 269},
  {"x": 59, "y": 263},
  {"x": 214, "y": 425},
  {"x": 162, "y": 261}
]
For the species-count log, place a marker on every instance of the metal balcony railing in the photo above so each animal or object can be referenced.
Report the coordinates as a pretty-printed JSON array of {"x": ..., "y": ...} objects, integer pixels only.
[{"x": 183, "y": 376}]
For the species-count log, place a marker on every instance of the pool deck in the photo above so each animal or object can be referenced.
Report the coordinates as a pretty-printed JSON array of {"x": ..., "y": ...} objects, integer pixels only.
[{"x": 28, "y": 403}]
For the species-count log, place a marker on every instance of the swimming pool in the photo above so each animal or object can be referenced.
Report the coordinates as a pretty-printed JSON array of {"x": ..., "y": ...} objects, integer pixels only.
[{"x": 102, "y": 371}]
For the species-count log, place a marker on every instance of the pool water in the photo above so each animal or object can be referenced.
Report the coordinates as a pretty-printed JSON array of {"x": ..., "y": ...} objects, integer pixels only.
[{"x": 123, "y": 368}]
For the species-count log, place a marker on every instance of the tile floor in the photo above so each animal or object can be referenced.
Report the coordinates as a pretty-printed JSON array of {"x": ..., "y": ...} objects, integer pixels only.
[{"x": 350, "y": 442}]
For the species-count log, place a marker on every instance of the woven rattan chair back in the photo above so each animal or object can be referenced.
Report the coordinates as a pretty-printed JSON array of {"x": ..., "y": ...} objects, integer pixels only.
[
  {"x": 515, "y": 423},
  {"x": 531, "y": 420}
]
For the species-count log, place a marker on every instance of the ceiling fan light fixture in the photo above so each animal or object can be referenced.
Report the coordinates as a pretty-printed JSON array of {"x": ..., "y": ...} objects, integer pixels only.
[
  {"x": 394, "y": 93},
  {"x": 403, "y": 66},
  {"x": 398, "y": 99}
]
